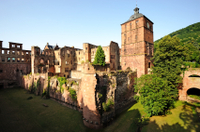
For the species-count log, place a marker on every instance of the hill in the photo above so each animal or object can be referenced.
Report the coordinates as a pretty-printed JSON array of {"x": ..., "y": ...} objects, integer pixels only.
[
  {"x": 188, "y": 34},
  {"x": 190, "y": 39}
]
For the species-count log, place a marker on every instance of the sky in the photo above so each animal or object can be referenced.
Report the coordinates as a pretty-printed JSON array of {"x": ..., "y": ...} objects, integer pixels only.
[{"x": 74, "y": 22}]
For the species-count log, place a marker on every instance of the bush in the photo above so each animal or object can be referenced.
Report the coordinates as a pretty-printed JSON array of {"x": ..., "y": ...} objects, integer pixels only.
[
  {"x": 72, "y": 94},
  {"x": 107, "y": 106},
  {"x": 136, "y": 97},
  {"x": 61, "y": 80}
]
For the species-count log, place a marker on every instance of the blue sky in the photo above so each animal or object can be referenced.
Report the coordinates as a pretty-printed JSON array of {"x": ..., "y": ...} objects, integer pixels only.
[{"x": 74, "y": 22}]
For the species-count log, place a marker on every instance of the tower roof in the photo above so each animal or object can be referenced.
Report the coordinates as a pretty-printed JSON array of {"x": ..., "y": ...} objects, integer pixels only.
[{"x": 136, "y": 15}]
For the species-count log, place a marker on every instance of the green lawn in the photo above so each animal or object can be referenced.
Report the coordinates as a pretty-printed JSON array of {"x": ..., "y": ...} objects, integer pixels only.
[{"x": 22, "y": 115}]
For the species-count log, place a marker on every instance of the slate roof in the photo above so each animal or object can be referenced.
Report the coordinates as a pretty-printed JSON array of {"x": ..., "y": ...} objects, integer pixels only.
[
  {"x": 51, "y": 46},
  {"x": 136, "y": 15}
]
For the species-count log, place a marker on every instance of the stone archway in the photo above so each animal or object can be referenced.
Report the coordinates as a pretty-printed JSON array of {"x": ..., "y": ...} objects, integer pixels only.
[
  {"x": 191, "y": 79},
  {"x": 193, "y": 94}
]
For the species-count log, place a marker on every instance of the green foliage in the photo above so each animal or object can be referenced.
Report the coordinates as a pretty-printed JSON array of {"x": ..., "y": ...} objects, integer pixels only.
[
  {"x": 99, "y": 57},
  {"x": 194, "y": 96},
  {"x": 100, "y": 95},
  {"x": 73, "y": 94},
  {"x": 158, "y": 91},
  {"x": 136, "y": 97},
  {"x": 168, "y": 60},
  {"x": 107, "y": 106},
  {"x": 155, "y": 94},
  {"x": 61, "y": 80},
  {"x": 190, "y": 38}
]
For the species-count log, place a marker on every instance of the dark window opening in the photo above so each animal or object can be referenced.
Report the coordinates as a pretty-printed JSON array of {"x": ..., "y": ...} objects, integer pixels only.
[
  {"x": 149, "y": 66},
  {"x": 13, "y": 59},
  {"x": 3, "y": 60},
  {"x": 193, "y": 92},
  {"x": 1, "y": 85},
  {"x": 8, "y": 60},
  {"x": 194, "y": 75},
  {"x": 1, "y": 71}
]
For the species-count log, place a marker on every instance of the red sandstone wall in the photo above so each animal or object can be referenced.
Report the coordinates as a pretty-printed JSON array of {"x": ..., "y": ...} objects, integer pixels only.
[
  {"x": 189, "y": 82},
  {"x": 9, "y": 70}
]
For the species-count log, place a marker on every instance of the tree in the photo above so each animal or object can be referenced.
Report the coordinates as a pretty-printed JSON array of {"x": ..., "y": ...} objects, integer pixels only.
[
  {"x": 168, "y": 60},
  {"x": 154, "y": 94},
  {"x": 158, "y": 91},
  {"x": 99, "y": 57}
]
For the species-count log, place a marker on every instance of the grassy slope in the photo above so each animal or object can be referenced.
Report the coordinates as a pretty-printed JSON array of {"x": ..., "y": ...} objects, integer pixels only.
[{"x": 19, "y": 114}]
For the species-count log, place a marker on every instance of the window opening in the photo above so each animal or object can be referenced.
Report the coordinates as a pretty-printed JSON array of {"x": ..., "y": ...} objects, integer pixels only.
[
  {"x": 8, "y": 59},
  {"x": 13, "y": 59}
]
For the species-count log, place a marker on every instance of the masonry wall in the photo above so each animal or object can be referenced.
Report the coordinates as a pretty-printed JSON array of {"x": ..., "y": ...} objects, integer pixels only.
[
  {"x": 14, "y": 61},
  {"x": 137, "y": 45},
  {"x": 189, "y": 82}
]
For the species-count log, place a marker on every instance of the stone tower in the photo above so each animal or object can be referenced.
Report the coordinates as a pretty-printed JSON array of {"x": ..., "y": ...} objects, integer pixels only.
[{"x": 137, "y": 43}]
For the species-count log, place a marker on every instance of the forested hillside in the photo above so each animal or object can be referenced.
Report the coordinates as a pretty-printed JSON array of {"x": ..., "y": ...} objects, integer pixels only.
[
  {"x": 190, "y": 40},
  {"x": 188, "y": 34}
]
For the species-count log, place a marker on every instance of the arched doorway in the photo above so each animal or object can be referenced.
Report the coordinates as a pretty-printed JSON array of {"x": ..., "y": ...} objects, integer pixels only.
[{"x": 193, "y": 94}]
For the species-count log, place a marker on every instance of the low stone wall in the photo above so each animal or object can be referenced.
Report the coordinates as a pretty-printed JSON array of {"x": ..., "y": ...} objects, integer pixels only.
[{"x": 76, "y": 74}]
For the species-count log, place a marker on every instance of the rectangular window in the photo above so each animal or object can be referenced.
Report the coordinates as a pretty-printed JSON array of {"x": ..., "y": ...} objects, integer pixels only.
[
  {"x": 18, "y": 59},
  {"x": 13, "y": 52},
  {"x": 66, "y": 69},
  {"x": 13, "y": 46},
  {"x": 18, "y": 53},
  {"x": 22, "y": 59},
  {"x": 18, "y": 46},
  {"x": 13, "y": 59},
  {"x": 3, "y": 60},
  {"x": 68, "y": 55},
  {"x": 8, "y": 59},
  {"x": 1, "y": 71},
  {"x": 2, "y": 52}
]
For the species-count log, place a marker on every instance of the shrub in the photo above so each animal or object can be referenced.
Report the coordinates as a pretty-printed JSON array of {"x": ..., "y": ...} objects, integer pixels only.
[
  {"x": 136, "y": 97},
  {"x": 61, "y": 80},
  {"x": 107, "y": 106},
  {"x": 72, "y": 94}
]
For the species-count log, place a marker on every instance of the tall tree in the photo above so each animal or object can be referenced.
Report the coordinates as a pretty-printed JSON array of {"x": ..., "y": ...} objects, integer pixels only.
[
  {"x": 159, "y": 91},
  {"x": 168, "y": 60},
  {"x": 99, "y": 57}
]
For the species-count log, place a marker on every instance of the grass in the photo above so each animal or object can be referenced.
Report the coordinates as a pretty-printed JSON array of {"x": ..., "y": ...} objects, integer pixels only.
[
  {"x": 19, "y": 114},
  {"x": 195, "y": 96}
]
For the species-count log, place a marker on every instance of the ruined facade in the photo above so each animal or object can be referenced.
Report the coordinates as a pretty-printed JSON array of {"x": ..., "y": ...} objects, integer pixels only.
[
  {"x": 13, "y": 62},
  {"x": 99, "y": 92},
  {"x": 137, "y": 43},
  {"x": 61, "y": 61}
]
